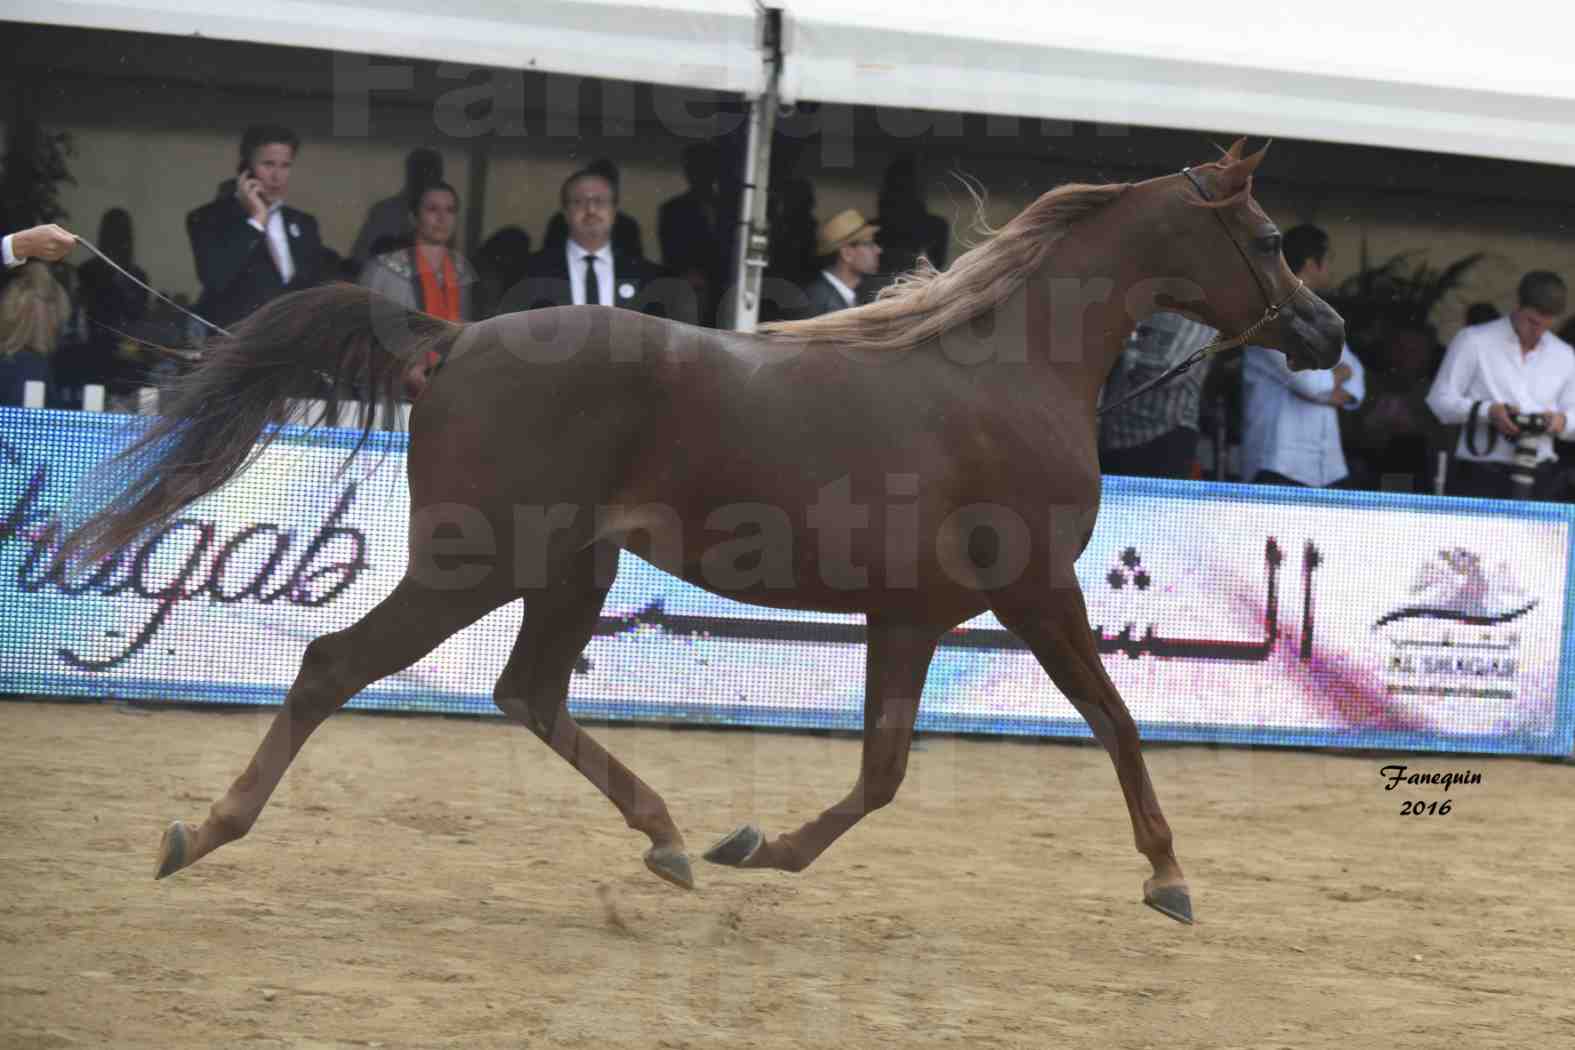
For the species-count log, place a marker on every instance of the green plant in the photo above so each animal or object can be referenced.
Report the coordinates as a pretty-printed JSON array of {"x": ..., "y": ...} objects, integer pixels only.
[
  {"x": 1395, "y": 294},
  {"x": 33, "y": 171}
]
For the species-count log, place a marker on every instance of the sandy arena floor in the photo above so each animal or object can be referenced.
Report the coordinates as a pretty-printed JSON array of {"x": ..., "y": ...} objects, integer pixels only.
[{"x": 422, "y": 882}]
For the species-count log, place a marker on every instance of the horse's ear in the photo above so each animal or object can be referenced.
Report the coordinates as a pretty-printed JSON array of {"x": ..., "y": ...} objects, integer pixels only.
[
  {"x": 1235, "y": 173},
  {"x": 1234, "y": 153},
  {"x": 1253, "y": 161}
]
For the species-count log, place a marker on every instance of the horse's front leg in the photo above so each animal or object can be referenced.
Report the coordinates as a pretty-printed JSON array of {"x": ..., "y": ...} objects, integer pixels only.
[
  {"x": 896, "y": 662},
  {"x": 534, "y": 688},
  {"x": 1054, "y": 624}
]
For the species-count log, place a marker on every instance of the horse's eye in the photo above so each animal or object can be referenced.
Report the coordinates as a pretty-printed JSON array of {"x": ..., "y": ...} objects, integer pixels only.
[{"x": 1269, "y": 245}]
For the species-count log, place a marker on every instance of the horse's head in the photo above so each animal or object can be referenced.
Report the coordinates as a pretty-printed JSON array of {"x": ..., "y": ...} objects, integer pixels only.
[{"x": 1229, "y": 251}]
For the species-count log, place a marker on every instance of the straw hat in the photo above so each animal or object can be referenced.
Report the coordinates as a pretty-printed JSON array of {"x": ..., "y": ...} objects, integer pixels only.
[{"x": 845, "y": 227}]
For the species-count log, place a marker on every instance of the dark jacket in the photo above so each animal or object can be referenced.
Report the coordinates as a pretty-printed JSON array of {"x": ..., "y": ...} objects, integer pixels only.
[
  {"x": 640, "y": 285},
  {"x": 233, "y": 262},
  {"x": 823, "y": 298}
]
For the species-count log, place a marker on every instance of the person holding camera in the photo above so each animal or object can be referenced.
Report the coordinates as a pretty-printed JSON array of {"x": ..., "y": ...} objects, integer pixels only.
[
  {"x": 250, "y": 246},
  {"x": 1511, "y": 383}
]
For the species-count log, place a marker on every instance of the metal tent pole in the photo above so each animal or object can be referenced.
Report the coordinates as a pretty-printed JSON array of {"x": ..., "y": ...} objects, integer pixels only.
[{"x": 741, "y": 309}]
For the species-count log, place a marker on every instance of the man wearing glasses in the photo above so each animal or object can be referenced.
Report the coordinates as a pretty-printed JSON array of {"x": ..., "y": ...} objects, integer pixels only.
[
  {"x": 848, "y": 253},
  {"x": 588, "y": 270}
]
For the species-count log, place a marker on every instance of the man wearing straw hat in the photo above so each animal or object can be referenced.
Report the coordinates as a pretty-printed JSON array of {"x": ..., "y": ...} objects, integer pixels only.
[{"x": 848, "y": 253}]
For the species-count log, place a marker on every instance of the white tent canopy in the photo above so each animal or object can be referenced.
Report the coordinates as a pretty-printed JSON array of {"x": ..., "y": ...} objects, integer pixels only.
[{"x": 1448, "y": 76}]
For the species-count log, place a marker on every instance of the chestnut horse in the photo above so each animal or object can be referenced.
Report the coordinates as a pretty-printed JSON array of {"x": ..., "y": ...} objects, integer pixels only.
[{"x": 918, "y": 460}]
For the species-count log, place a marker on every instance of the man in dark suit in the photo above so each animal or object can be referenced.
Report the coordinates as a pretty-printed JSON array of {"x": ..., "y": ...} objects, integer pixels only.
[
  {"x": 588, "y": 269},
  {"x": 849, "y": 253},
  {"x": 626, "y": 236},
  {"x": 250, "y": 246}
]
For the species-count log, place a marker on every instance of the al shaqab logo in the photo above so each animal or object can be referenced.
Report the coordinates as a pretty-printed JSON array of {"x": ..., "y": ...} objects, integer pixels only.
[
  {"x": 1455, "y": 634},
  {"x": 1454, "y": 586}
]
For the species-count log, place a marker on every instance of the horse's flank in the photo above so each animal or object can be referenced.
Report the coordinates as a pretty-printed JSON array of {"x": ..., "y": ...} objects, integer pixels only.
[{"x": 927, "y": 302}]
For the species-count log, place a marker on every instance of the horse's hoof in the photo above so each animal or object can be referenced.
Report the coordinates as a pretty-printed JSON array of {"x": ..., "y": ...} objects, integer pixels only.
[
  {"x": 175, "y": 849},
  {"x": 1173, "y": 901},
  {"x": 737, "y": 848},
  {"x": 672, "y": 865}
]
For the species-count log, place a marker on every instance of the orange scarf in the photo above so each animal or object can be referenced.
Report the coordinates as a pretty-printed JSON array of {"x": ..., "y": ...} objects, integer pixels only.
[{"x": 439, "y": 301}]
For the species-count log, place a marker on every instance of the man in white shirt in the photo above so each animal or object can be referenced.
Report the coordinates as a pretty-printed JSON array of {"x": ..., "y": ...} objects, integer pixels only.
[
  {"x": 589, "y": 204},
  {"x": 1503, "y": 371},
  {"x": 49, "y": 242},
  {"x": 846, "y": 242},
  {"x": 1291, "y": 420},
  {"x": 589, "y": 270}
]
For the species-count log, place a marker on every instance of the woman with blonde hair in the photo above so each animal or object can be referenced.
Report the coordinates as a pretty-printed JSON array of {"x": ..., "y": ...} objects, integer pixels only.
[{"x": 33, "y": 310}]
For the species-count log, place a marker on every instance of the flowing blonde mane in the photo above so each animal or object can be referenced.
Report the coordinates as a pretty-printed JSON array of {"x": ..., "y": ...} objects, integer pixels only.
[{"x": 927, "y": 301}]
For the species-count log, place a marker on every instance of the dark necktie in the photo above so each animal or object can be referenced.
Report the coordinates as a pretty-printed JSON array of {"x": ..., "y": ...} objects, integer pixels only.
[{"x": 593, "y": 290}]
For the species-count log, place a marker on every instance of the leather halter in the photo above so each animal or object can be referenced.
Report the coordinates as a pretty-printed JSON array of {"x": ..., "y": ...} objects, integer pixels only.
[{"x": 1219, "y": 345}]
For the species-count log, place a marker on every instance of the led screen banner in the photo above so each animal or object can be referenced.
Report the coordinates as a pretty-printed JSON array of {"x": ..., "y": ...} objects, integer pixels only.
[{"x": 1223, "y": 612}]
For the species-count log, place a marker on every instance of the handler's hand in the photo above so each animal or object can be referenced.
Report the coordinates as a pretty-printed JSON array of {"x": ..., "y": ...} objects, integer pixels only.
[
  {"x": 50, "y": 243},
  {"x": 1498, "y": 415}
]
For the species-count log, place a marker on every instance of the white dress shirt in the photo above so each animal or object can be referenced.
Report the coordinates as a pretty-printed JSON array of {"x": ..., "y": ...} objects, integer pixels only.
[
  {"x": 1486, "y": 364},
  {"x": 11, "y": 261},
  {"x": 279, "y": 241},
  {"x": 1288, "y": 426},
  {"x": 843, "y": 290},
  {"x": 604, "y": 273}
]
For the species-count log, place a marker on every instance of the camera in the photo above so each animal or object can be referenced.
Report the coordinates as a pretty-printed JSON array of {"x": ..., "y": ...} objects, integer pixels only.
[{"x": 1532, "y": 426}]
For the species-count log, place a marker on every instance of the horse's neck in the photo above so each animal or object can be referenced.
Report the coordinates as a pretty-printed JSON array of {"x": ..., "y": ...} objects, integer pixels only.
[{"x": 1078, "y": 309}]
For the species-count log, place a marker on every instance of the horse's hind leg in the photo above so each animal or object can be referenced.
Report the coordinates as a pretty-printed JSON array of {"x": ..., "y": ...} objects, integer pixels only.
[
  {"x": 1056, "y": 629},
  {"x": 534, "y": 688},
  {"x": 896, "y": 661},
  {"x": 411, "y": 622}
]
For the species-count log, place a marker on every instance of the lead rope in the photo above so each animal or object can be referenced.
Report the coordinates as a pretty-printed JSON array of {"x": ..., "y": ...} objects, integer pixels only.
[{"x": 90, "y": 246}]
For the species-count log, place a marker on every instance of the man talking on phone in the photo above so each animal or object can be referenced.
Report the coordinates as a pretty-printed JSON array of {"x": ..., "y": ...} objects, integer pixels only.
[{"x": 250, "y": 246}]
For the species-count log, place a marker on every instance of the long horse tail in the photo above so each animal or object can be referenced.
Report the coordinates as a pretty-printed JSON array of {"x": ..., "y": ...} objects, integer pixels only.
[{"x": 337, "y": 341}]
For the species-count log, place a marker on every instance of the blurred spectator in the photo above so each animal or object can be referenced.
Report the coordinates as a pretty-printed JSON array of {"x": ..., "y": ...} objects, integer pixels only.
[
  {"x": 392, "y": 216},
  {"x": 908, "y": 229},
  {"x": 1391, "y": 439},
  {"x": 250, "y": 246},
  {"x": 790, "y": 214},
  {"x": 1156, "y": 434},
  {"x": 1290, "y": 426},
  {"x": 687, "y": 226},
  {"x": 503, "y": 260},
  {"x": 626, "y": 239},
  {"x": 1498, "y": 371},
  {"x": 589, "y": 269},
  {"x": 849, "y": 253},
  {"x": 33, "y": 310},
  {"x": 428, "y": 276},
  {"x": 1481, "y": 313},
  {"x": 793, "y": 227},
  {"x": 109, "y": 301}
]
